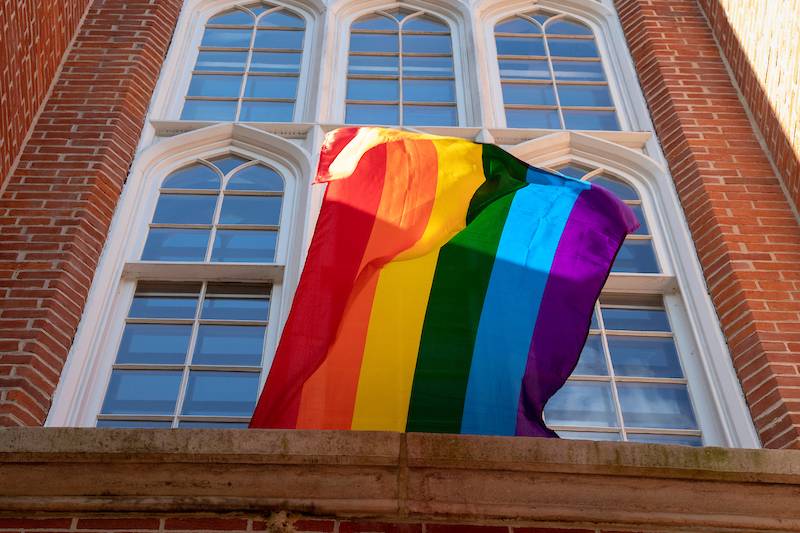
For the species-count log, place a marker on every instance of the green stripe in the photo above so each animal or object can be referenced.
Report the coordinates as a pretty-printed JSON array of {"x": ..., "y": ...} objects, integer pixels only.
[{"x": 504, "y": 174}]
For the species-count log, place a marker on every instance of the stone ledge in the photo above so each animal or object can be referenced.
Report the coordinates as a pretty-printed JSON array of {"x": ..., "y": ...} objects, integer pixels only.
[{"x": 398, "y": 476}]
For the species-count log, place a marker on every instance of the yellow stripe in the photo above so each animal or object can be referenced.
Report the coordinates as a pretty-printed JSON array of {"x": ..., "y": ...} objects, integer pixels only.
[{"x": 401, "y": 298}]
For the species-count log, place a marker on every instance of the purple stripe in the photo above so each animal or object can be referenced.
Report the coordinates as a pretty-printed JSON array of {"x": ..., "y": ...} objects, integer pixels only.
[{"x": 592, "y": 236}]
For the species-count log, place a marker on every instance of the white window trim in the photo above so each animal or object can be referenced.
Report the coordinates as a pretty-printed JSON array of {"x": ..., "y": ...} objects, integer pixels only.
[{"x": 81, "y": 390}]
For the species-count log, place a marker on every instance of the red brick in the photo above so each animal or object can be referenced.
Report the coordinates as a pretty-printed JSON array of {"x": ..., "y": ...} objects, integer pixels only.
[
  {"x": 35, "y": 523},
  {"x": 303, "y": 526},
  {"x": 202, "y": 524},
  {"x": 549, "y": 530},
  {"x": 379, "y": 527},
  {"x": 119, "y": 523},
  {"x": 461, "y": 528}
]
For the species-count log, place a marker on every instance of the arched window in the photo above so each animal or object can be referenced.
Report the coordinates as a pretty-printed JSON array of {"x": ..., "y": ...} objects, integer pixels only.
[
  {"x": 401, "y": 70},
  {"x": 551, "y": 74},
  {"x": 248, "y": 66}
]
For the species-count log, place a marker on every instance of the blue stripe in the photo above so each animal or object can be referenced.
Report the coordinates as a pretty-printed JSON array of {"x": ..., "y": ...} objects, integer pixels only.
[{"x": 527, "y": 246}]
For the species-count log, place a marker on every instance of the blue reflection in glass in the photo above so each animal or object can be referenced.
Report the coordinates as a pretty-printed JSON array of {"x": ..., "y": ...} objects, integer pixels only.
[
  {"x": 288, "y": 62},
  {"x": 375, "y": 22},
  {"x": 591, "y": 120},
  {"x": 360, "y": 42},
  {"x": 636, "y": 256},
  {"x": 531, "y": 69},
  {"x": 427, "y": 66},
  {"x": 644, "y": 357},
  {"x": 235, "y": 308},
  {"x": 635, "y": 319},
  {"x": 358, "y": 89},
  {"x": 271, "y": 87},
  {"x": 381, "y": 65},
  {"x": 208, "y": 110},
  {"x": 419, "y": 115},
  {"x": 171, "y": 244},
  {"x": 676, "y": 440},
  {"x": 221, "y": 393},
  {"x": 281, "y": 18},
  {"x": 573, "y": 171},
  {"x": 255, "y": 178},
  {"x": 579, "y": 71},
  {"x": 232, "y": 17},
  {"x": 215, "y": 85},
  {"x": 192, "y": 177},
  {"x": 221, "y": 61},
  {"x": 429, "y": 91},
  {"x": 566, "y": 27},
  {"x": 244, "y": 246},
  {"x": 592, "y": 361},
  {"x": 266, "y": 112},
  {"x": 279, "y": 39},
  {"x": 145, "y": 392},
  {"x": 517, "y": 93},
  {"x": 226, "y": 38},
  {"x": 585, "y": 95},
  {"x": 229, "y": 345},
  {"x": 426, "y": 44},
  {"x": 262, "y": 210},
  {"x": 211, "y": 425},
  {"x": 656, "y": 405},
  {"x": 185, "y": 209},
  {"x": 424, "y": 23},
  {"x": 228, "y": 162},
  {"x": 532, "y": 118},
  {"x": 163, "y": 307},
  {"x": 137, "y": 424},
  {"x": 573, "y": 48},
  {"x": 372, "y": 114},
  {"x": 517, "y": 25},
  {"x": 582, "y": 403},
  {"x": 517, "y": 46},
  {"x": 620, "y": 189},
  {"x": 154, "y": 344},
  {"x": 639, "y": 212}
]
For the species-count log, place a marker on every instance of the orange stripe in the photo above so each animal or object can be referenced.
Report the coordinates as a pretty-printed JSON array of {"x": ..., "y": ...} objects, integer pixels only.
[{"x": 329, "y": 395}]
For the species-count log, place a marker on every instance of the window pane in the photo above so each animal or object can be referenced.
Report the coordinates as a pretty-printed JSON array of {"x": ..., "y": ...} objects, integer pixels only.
[
  {"x": 169, "y": 244},
  {"x": 592, "y": 361},
  {"x": 221, "y": 61},
  {"x": 281, "y": 18},
  {"x": 517, "y": 25},
  {"x": 579, "y": 71},
  {"x": 374, "y": 42},
  {"x": 244, "y": 246},
  {"x": 636, "y": 256},
  {"x": 214, "y": 111},
  {"x": 656, "y": 405},
  {"x": 271, "y": 87},
  {"x": 565, "y": 27},
  {"x": 426, "y": 44},
  {"x": 635, "y": 319},
  {"x": 429, "y": 91},
  {"x": 145, "y": 392},
  {"x": 574, "y": 171},
  {"x": 643, "y": 229},
  {"x": 644, "y": 357},
  {"x": 589, "y": 435},
  {"x": 185, "y": 209},
  {"x": 585, "y": 95},
  {"x": 378, "y": 65},
  {"x": 427, "y": 66},
  {"x": 385, "y": 90},
  {"x": 279, "y": 39},
  {"x": 133, "y": 424},
  {"x": 591, "y": 120},
  {"x": 235, "y": 308},
  {"x": 154, "y": 344},
  {"x": 532, "y": 118},
  {"x": 275, "y": 62},
  {"x": 265, "y": 210},
  {"x": 573, "y": 48},
  {"x": 418, "y": 115},
  {"x": 375, "y": 22},
  {"x": 233, "y": 17},
  {"x": 227, "y": 38},
  {"x": 582, "y": 403},
  {"x": 228, "y": 162},
  {"x": 163, "y": 307},
  {"x": 677, "y": 440},
  {"x": 192, "y": 177},
  {"x": 619, "y": 188},
  {"x": 267, "y": 112},
  {"x": 424, "y": 23},
  {"x": 212, "y": 425},
  {"x": 221, "y": 393},
  {"x": 519, "y": 46},
  {"x": 229, "y": 345},
  {"x": 255, "y": 178},
  {"x": 519, "y": 93},
  {"x": 532, "y": 69},
  {"x": 372, "y": 114}
]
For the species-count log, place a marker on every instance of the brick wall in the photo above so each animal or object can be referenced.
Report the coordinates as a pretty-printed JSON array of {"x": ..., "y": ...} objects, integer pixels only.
[
  {"x": 58, "y": 203},
  {"x": 33, "y": 37},
  {"x": 746, "y": 235},
  {"x": 767, "y": 69}
]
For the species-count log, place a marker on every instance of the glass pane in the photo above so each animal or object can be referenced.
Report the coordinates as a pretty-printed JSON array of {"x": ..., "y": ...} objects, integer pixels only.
[
  {"x": 678, "y": 440},
  {"x": 532, "y": 118},
  {"x": 418, "y": 115},
  {"x": 279, "y": 39},
  {"x": 582, "y": 403},
  {"x": 228, "y": 162},
  {"x": 573, "y": 48},
  {"x": 378, "y": 65},
  {"x": 592, "y": 361},
  {"x": 267, "y": 112},
  {"x": 221, "y": 393},
  {"x": 636, "y": 256},
  {"x": 372, "y": 114},
  {"x": 427, "y": 66},
  {"x": 212, "y": 425},
  {"x": 635, "y": 319},
  {"x": 591, "y": 120},
  {"x": 566, "y": 27},
  {"x": 574, "y": 171},
  {"x": 221, "y": 61},
  {"x": 426, "y": 44},
  {"x": 639, "y": 212},
  {"x": 429, "y": 91},
  {"x": 589, "y": 435},
  {"x": 542, "y": 18},
  {"x": 244, "y": 246},
  {"x": 154, "y": 344},
  {"x": 399, "y": 13},
  {"x": 519, "y": 93},
  {"x": 517, "y": 25},
  {"x": 259, "y": 8},
  {"x": 163, "y": 307},
  {"x": 579, "y": 71},
  {"x": 264, "y": 210},
  {"x": 585, "y": 95},
  {"x": 235, "y": 308},
  {"x": 424, "y": 23},
  {"x": 644, "y": 357},
  {"x": 374, "y": 42},
  {"x": 275, "y": 62},
  {"x": 133, "y": 424},
  {"x": 281, "y": 18},
  {"x": 622, "y": 190},
  {"x": 146, "y": 392},
  {"x": 185, "y": 209},
  {"x": 594, "y": 324},
  {"x": 271, "y": 87},
  {"x": 214, "y": 85},
  {"x": 656, "y": 405},
  {"x": 520, "y": 46},
  {"x": 193, "y": 177},
  {"x": 255, "y": 178},
  {"x": 213, "y": 111},
  {"x": 233, "y": 17},
  {"x": 375, "y": 22},
  {"x": 170, "y": 244},
  {"x": 532, "y": 69},
  {"x": 227, "y": 38},
  {"x": 229, "y": 345},
  {"x": 385, "y": 90}
]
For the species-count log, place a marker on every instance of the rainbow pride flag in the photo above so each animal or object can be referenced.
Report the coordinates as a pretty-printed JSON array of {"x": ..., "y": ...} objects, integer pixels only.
[{"x": 448, "y": 287}]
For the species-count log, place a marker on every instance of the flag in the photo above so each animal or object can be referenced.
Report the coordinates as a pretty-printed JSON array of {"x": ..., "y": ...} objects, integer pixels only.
[{"x": 448, "y": 287}]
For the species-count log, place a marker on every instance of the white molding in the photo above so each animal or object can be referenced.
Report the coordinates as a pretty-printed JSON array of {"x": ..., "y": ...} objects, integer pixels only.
[{"x": 229, "y": 272}]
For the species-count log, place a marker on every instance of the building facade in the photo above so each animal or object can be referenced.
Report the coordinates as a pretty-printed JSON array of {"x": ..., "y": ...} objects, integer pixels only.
[{"x": 157, "y": 203}]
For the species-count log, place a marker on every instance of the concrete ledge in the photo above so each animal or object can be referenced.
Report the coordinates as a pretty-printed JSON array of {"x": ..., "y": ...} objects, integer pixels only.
[{"x": 398, "y": 476}]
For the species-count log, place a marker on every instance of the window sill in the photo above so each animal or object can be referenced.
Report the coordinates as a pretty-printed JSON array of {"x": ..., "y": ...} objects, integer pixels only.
[{"x": 174, "y": 271}]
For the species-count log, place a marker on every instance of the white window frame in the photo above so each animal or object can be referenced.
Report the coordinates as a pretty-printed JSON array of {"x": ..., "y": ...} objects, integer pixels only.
[{"x": 83, "y": 383}]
